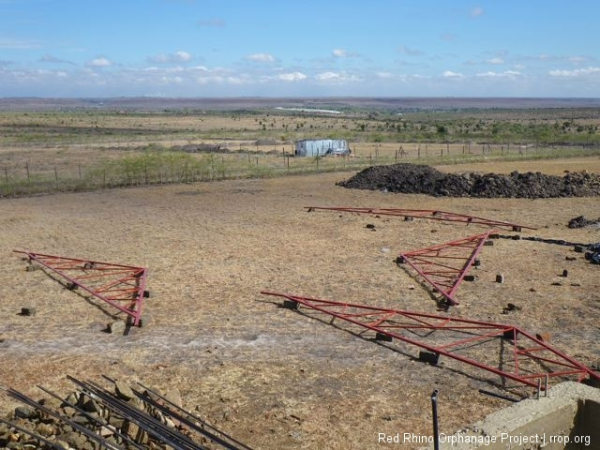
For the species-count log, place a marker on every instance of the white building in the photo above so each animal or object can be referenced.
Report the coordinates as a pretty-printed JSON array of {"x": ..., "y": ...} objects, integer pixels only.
[{"x": 322, "y": 147}]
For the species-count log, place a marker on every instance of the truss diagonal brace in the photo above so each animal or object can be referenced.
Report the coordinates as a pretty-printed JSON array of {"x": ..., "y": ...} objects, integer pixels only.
[
  {"x": 445, "y": 266},
  {"x": 121, "y": 286},
  {"x": 530, "y": 359}
]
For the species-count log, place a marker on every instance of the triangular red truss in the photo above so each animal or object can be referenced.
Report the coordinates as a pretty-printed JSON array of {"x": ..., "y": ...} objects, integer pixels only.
[
  {"x": 123, "y": 287},
  {"x": 504, "y": 350},
  {"x": 432, "y": 214},
  {"x": 445, "y": 266}
]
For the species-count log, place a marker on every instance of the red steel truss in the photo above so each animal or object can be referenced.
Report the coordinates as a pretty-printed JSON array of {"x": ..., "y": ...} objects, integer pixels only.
[
  {"x": 445, "y": 266},
  {"x": 523, "y": 357},
  {"x": 123, "y": 287},
  {"x": 431, "y": 214}
]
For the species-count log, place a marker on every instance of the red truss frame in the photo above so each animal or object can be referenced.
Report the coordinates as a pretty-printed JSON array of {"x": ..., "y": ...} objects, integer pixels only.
[
  {"x": 523, "y": 357},
  {"x": 432, "y": 214},
  {"x": 445, "y": 266},
  {"x": 123, "y": 287}
]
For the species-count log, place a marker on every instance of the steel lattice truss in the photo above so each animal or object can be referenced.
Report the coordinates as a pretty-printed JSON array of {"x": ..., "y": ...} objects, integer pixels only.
[
  {"x": 431, "y": 214},
  {"x": 445, "y": 266},
  {"x": 522, "y": 357},
  {"x": 123, "y": 287}
]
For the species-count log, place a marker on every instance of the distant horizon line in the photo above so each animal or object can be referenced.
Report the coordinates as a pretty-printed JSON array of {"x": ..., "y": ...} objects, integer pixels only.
[
  {"x": 307, "y": 104},
  {"x": 391, "y": 97}
]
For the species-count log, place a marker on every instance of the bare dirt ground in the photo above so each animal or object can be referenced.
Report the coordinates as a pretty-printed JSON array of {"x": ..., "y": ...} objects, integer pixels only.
[{"x": 274, "y": 378}]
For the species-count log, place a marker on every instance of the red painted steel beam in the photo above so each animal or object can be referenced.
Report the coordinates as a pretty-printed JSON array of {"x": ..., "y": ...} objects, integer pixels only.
[
  {"x": 445, "y": 266},
  {"x": 432, "y": 214},
  {"x": 459, "y": 339},
  {"x": 121, "y": 286}
]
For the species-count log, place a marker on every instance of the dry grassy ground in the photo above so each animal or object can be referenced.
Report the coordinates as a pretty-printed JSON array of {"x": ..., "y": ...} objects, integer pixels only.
[{"x": 271, "y": 377}]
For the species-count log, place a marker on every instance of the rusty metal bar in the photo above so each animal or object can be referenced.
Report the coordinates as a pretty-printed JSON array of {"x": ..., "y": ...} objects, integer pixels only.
[
  {"x": 33, "y": 435},
  {"x": 93, "y": 436},
  {"x": 214, "y": 435},
  {"x": 447, "y": 281},
  {"x": 85, "y": 274},
  {"x": 151, "y": 403},
  {"x": 432, "y": 214},
  {"x": 149, "y": 424},
  {"x": 92, "y": 418},
  {"x": 456, "y": 326}
]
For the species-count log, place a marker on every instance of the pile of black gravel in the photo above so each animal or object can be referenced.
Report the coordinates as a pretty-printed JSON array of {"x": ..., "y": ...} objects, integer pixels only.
[
  {"x": 420, "y": 179},
  {"x": 581, "y": 222}
]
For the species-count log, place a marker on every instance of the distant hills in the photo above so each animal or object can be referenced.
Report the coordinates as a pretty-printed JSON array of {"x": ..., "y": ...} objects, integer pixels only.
[{"x": 398, "y": 104}]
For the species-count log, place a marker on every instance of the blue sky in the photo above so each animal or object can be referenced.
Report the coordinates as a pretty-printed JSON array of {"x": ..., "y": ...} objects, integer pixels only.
[{"x": 227, "y": 48}]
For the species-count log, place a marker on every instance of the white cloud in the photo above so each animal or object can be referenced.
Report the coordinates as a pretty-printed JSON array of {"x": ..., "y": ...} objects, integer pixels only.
[
  {"x": 495, "y": 61},
  {"x": 177, "y": 57},
  {"x": 182, "y": 56},
  {"x": 343, "y": 53},
  {"x": 505, "y": 74},
  {"x": 575, "y": 73},
  {"x": 172, "y": 80},
  {"x": 238, "y": 80},
  {"x": 99, "y": 62},
  {"x": 261, "y": 58},
  {"x": 294, "y": 76},
  {"x": 476, "y": 12},
  {"x": 336, "y": 77},
  {"x": 450, "y": 74}
]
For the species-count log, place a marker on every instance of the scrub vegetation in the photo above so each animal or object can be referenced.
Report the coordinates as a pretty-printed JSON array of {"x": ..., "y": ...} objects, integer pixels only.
[{"x": 43, "y": 151}]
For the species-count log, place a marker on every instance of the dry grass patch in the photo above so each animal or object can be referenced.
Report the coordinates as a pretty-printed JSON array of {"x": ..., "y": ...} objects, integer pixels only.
[{"x": 271, "y": 377}]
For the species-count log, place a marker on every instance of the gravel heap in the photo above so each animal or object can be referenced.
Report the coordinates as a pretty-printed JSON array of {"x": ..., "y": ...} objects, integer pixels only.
[
  {"x": 581, "y": 222},
  {"x": 94, "y": 417},
  {"x": 420, "y": 179}
]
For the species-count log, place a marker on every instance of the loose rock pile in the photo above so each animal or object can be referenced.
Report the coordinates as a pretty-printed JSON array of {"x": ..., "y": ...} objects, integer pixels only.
[
  {"x": 581, "y": 222},
  {"x": 420, "y": 179},
  {"x": 87, "y": 421}
]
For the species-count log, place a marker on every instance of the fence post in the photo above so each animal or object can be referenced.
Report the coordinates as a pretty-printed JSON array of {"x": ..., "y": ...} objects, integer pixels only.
[
  {"x": 27, "y": 169},
  {"x": 6, "y": 174}
]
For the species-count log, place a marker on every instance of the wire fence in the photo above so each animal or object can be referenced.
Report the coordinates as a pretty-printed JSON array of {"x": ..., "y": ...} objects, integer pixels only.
[{"x": 168, "y": 167}]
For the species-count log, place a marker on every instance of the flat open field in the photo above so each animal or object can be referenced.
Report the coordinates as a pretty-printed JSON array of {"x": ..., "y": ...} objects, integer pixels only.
[{"x": 271, "y": 377}]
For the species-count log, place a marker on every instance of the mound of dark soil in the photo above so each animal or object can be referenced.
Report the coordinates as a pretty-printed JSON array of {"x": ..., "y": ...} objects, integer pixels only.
[
  {"x": 420, "y": 179},
  {"x": 581, "y": 222}
]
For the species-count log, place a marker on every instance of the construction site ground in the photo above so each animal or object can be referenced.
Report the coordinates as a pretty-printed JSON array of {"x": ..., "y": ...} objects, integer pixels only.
[{"x": 271, "y": 377}]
